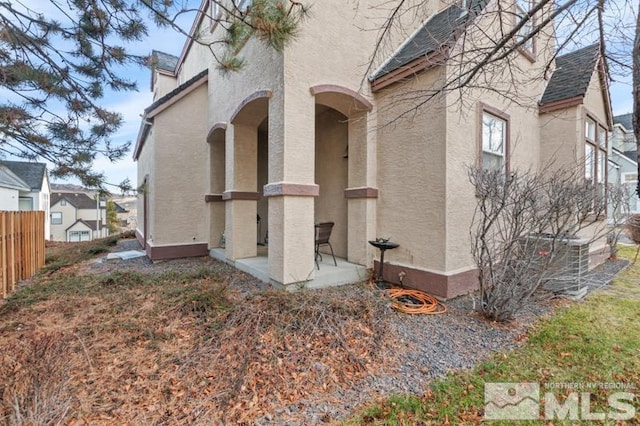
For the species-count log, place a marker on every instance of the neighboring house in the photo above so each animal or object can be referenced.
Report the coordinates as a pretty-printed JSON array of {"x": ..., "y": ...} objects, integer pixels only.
[
  {"x": 34, "y": 192},
  {"x": 122, "y": 216},
  {"x": 126, "y": 211},
  {"x": 77, "y": 217},
  {"x": 10, "y": 188},
  {"x": 623, "y": 166},
  {"x": 296, "y": 138}
]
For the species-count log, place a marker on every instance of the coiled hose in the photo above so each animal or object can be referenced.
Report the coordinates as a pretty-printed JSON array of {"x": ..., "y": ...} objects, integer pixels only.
[{"x": 415, "y": 302}]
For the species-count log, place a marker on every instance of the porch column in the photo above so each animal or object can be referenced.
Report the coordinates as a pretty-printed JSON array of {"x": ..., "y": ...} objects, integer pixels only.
[
  {"x": 362, "y": 191},
  {"x": 291, "y": 189},
  {"x": 216, "y": 187},
  {"x": 241, "y": 193}
]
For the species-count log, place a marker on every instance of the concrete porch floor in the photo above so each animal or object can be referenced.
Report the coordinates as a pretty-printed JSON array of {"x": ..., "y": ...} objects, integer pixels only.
[{"x": 329, "y": 275}]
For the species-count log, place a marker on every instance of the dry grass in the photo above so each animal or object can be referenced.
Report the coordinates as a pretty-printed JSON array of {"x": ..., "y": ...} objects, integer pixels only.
[{"x": 175, "y": 348}]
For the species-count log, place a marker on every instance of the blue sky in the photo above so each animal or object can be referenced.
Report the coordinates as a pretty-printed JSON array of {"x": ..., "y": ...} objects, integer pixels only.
[{"x": 132, "y": 104}]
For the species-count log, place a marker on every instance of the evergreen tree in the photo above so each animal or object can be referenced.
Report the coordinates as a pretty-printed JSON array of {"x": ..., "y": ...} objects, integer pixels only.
[
  {"x": 53, "y": 73},
  {"x": 112, "y": 218}
]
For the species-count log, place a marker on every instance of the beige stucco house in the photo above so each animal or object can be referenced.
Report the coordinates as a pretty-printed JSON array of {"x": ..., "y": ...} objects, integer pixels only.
[
  {"x": 230, "y": 161},
  {"x": 77, "y": 217}
]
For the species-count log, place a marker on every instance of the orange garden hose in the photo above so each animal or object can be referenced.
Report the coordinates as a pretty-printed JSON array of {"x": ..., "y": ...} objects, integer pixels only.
[{"x": 415, "y": 302}]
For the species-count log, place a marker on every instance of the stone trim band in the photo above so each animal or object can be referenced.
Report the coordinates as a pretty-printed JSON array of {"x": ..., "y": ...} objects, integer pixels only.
[
  {"x": 240, "y": 195},
  {"x": 361, "y": 192},
  {"x": 282, "y": 188}
]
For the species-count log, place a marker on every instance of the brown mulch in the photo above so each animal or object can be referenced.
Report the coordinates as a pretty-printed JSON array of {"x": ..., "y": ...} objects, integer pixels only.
[
  {"x": 179, "y": 342},
  {"x": 194, "y": 341}
]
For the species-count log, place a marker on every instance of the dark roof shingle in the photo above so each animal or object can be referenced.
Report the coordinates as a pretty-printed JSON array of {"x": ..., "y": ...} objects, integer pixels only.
[
  {"x": 176, "y": 91},
  {"x": 8, "y": 179},
  {"x": 164, "y": 61},
  {"x": 31, "y": 173},
  {"x": 572, "y": 75},
  {"x": 437, "y": 32},
  {"x": 626, "y": 120},
  {"x": 77, "y": 200}
]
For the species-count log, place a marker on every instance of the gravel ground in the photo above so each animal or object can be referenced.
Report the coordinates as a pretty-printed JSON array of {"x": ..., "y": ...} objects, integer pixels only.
[
  {"x": 236, "y": 279},
  {"x": 429, "y": 346}
]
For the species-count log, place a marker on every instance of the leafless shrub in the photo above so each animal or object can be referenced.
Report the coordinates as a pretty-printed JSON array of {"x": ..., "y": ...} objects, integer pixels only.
[
  {"x": 35, "y": 381},
  {"x": 619, "y": 197},
  {"x": 524, "y": 225}
]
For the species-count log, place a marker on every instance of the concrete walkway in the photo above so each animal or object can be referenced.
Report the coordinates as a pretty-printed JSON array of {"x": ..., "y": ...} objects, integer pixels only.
[{"x": 328, "y": 275}]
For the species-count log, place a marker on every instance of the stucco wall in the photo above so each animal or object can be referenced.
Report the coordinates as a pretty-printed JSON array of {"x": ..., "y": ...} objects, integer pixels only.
[
  {"x": 163, "y": 85},
  {"x": 594, "y": 102},
  {"x": 179, "y": 175},
  {"x": 513, "y": 91},
  {"x": 146, "y": 170},
  {"x": 411, "y": 178},
  {"x": 58, "y": 232},
  {"x": 331, "y": 175},
  {"x": 561, "y": 134},
  {"x": 91, "y": 214}
]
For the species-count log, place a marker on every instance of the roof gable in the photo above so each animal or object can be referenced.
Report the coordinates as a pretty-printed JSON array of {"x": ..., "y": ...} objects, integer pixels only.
[
  {"x": 165, "y": 102},
  {"x": 89, "y": 223},
  {"x": 572, "y": 75},
  {"x": 31, "y": 173},
  {"x": 8, "y": 179},
  {"x": 436, "y": 34},
  {"x": 164, "y": 61},
  {"x": 77, "y": 200},
  {"x": 625, "y": 120}
]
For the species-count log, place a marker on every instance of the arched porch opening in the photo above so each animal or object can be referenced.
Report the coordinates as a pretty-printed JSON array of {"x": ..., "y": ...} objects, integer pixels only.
[
  {"x": 345, "y": 170},
  {"x": 217, "y": 169},
  {"x": 246, "y": 174},
  {"x": 331, "y": 174}
]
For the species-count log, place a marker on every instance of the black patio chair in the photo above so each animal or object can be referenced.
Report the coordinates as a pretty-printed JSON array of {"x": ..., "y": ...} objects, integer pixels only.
[{"x": 323, "y": 233}]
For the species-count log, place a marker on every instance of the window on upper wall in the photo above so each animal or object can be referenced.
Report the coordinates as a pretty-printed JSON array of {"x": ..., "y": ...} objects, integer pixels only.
[
  {"x": 602, "y": 137},
  {"x": 589, "y": 162},
  {"x": 243, "y": 5},
  {"x": 595, "y": 156},
  {"x": 494, "y": 142},
  {"x": 522, "y": 10},
  {"x": 63, "y": 202},
  {"x": 56, "y": 218},
  {"x": 214, "y": 12},
  {"x": 590, "y": 130}
]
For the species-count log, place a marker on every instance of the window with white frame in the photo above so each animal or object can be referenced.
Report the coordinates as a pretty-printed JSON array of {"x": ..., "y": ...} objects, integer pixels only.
[
  {"x": 522, "y": 12},
  {"x": 63, "y": 202},
  {"x": 494, "y": 142},
  {"x": 590, "y": 130},
  {"x": 589, "y": 162},
  {"x": 602, "y": 137},
  {"x": 215, "y": 9},
  {"x": 595, "y": 158},
  {"x": 56, "y": 218}
]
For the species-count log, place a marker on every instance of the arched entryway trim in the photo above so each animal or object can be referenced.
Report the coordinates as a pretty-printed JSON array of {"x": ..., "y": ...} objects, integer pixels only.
[
  {"x": 217, "y": 130},
  {"x": 342, "y": 99},
  {"x": 253, "y": 109}
]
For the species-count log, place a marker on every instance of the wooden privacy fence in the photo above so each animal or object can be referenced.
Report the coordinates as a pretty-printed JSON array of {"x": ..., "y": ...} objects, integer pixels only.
[{"x": 21, "y": 247}]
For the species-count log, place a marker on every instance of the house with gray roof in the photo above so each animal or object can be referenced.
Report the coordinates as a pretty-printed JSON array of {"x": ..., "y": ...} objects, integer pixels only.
[
  {"x": 241, "y": 165},
  {"x": 10, "y": 188},
  {"x": 25, "y": 186},
  {"x": 77, "y": 217},
  {"x": 623, "y": 166}
]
